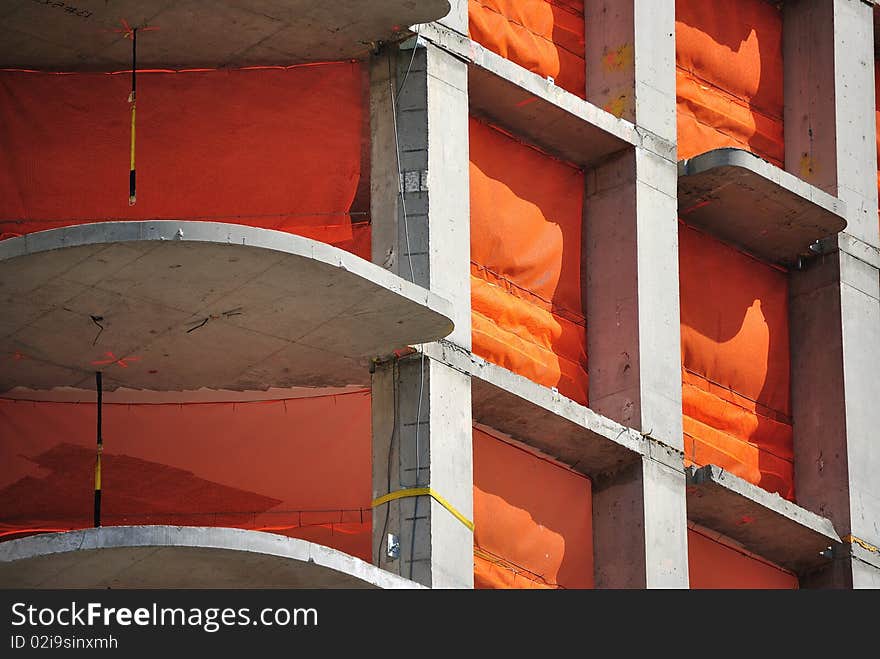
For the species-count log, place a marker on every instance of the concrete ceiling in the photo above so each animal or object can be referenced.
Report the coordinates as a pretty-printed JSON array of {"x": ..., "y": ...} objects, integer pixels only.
[
  {"x": 83, "y": 35},
  {"x": 182, "y": 557},
  {"x": 185, "y": 305}
]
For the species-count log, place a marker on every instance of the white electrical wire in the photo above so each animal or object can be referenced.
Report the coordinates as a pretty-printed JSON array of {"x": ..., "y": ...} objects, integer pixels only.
[{"x": 402, "y": 194}]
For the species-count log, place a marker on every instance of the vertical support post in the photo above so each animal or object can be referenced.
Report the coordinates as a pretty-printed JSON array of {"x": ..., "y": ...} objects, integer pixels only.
[
  {"x": 630, "y": 61},
  {"x": 631, "y": 220},
  {"x": 835, "y": 313},
  {"x": 422, "y": 426},
  {"x": 100, "y": 447}
]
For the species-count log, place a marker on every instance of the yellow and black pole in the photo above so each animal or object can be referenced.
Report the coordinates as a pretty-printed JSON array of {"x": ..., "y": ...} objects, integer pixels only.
[
  {"x": 132, "y": 99},
  {"x": 100, "y": 450}
]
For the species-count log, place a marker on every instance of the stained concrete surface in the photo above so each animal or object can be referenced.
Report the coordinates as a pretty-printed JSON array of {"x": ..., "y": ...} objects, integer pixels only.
[
  {"x": 171, "y": 306},
  {"x": 182, "y": 557},
  {"x": 763, "y": 523},
  {"x": 87, "y": 35},
  {"x": 750, "y": 203}
]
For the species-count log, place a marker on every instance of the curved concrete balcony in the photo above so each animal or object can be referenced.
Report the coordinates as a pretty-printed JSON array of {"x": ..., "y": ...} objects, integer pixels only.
[
  {"x": 176, "y": 306},
  {"x": 182, "y": 557},
  {"x": 749, "y": 202},
  {"x": 85, "y": 34}
]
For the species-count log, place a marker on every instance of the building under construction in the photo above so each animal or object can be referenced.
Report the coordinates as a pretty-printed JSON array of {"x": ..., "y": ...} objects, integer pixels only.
[{"x": 480, "y": 293}]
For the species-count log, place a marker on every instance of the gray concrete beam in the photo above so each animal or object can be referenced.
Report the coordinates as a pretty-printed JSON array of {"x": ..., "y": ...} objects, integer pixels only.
[
  {"x": 182, "y": 557},
  {"x": 748, "y": 202},
  {"x": 422, "y": 426},
  {"x": 763, "y": 523},
  {"x": 539, "y": 112},
  {"x": 541, "y": 417},
  {"x": 835, "y": 301}
]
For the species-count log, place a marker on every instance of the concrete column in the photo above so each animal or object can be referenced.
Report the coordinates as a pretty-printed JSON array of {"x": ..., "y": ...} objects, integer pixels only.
[
  {"x": 632, "y": 297},
  {"x": 422, "y": 433},
  {"x": 630, "y": 60},
  {"x": 640, "y": 525},
  {"x": 835, "y": 313},
  {"x": 632, "y": 294}
]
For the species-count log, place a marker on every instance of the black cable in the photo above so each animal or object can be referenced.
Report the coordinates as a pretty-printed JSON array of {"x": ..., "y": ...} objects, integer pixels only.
[
  {"x": 384, "y": 537},
  {"x": 132, "y": 175},
  {"x": 100, "y": 449}
]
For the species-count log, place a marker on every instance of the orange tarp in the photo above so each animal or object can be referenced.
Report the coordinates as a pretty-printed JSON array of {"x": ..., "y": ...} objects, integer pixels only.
[
  {"x": 729, "y": 77},
  {"x": 735, "y": 361},
  {"x": 275, "y": 148},
  {"x": 526, "y": 228},
  {"x": 543, "y": 36},
  {"x": 715, "y": 565},
  {"x": 533, "y": 520},
  {"x": 299, "y": 467}
]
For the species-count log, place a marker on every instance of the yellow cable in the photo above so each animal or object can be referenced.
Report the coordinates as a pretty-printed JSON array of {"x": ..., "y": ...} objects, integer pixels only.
[
  {"x": 420, "y": 492},
  {"x": 867, "y": 546},
  {"x": 98, "y": 470},
  {"x": 132, "y": 135}
]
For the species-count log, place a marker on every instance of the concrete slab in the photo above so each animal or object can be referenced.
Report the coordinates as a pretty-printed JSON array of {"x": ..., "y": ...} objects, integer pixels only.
[
  {"x": 182, "y": 557},
  {"x": 173, "y": 306},
  {"x": 763, "y": 523},
  {"x": 83, "y": 35},
  {"x": 542, "y": 418},
  {"x": 533, "y": 108},
  {"x": 753, "y": 204}
]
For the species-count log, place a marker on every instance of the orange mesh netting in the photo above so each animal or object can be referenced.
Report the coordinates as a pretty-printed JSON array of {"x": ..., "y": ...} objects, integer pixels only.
[
  {"x": 729, "y": 77},
  {"x": 526, "y": 219},
  {"x": 275, "y": 148},
  {"x": 735, "y": 362},
  {"x": 533, "y": 520},
  {"x": 297, "y": 467},
  {"x": 714, "y": 565},
  {"x": 543, "y": 36}
]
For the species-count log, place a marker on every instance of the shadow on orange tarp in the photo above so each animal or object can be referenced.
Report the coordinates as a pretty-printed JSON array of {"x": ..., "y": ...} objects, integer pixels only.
[
  {"x": 729, "y": 77},
  {"x": 297, "y": 467},
  {"x": 713, "y": 565},
  {"x": 526, "y": 241},
  {"x": 544, "y": 36},
  {"x": 267, "y": 147},
  {"x": 533, "y": 520},
  {"x": 735, "y": 362}
]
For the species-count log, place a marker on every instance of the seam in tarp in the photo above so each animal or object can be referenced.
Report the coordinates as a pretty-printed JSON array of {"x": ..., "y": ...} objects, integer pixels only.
[
  {"x": 528, "y": 450},
  {"x": 193, "y": 70},
  {"x": 512, "y": 21},
  {"x": 521, "y": 141},
  {"x": 513, "y": 288},
  {"x": 766, "y": 410},
  {"x": 744, "y": 102},
  {"x": 731, "y": 544},
  {"x": 736, "y": 248},
  {"x": 735, "y": 440},
  {"x": 514, "y": 568},
  {"x": 358, "y": 392}
]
